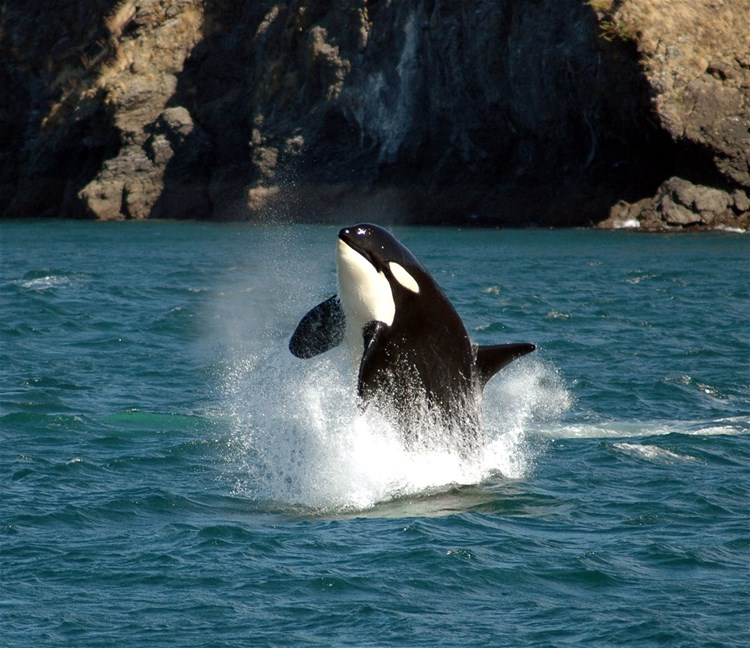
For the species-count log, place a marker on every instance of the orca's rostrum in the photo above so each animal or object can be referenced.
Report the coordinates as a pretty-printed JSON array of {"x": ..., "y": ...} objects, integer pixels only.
[{"x": 416, "y": 361}]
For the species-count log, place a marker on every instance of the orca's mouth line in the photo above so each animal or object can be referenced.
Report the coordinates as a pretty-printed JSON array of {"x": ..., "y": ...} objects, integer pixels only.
[
  {"x": 351, "y": 242},
  {"x": 347, "y": 238}
]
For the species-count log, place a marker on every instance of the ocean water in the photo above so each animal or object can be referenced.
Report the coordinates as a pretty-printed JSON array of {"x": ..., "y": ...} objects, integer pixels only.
[{"x": 171, "y": 476}]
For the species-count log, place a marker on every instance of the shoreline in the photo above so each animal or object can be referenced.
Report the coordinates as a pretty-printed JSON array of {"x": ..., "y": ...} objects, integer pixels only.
[{"x": 385, "y": 222}]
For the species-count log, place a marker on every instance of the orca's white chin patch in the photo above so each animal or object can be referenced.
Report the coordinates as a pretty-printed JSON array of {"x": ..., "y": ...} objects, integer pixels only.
[{"x": 365, "y": 295}]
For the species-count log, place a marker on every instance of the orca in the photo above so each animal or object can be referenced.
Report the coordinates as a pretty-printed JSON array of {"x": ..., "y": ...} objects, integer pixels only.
[{"x": 415, "y": 360}]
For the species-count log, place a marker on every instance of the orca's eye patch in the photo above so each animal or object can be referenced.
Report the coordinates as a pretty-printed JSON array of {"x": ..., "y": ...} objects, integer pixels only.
[{"x": 402, "y": 275}]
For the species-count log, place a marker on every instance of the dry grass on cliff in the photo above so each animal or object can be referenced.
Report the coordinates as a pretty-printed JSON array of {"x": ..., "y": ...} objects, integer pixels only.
[
  {"x": 120, "y": 17},
  {"x": 702, "y": 30},
  {"x": 163, "y": 51}
]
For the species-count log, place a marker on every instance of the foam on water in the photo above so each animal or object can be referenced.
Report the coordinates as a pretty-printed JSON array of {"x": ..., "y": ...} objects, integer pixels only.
[
  {"x": 528, "y": 392},
  {"x": 733, "y": 426},
  {"x": 299, "y": 437},
  {"x": 45, "y": 280},
  {"x": 650, "y": 452}
]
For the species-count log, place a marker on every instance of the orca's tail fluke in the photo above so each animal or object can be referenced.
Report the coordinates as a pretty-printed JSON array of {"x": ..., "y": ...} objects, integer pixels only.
[{"x": 491, "y": 359}]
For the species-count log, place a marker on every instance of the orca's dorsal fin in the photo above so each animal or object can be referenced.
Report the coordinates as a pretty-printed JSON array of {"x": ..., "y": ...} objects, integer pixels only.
[
  {"x": 321, "y": 329},
  {"x": 491, "y": 359}
]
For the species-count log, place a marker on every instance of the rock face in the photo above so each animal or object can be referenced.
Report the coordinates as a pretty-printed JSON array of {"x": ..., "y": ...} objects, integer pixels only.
[
  {"x": 696, "y": 59},
  {"x": 489, "y": 112},
  {"x": 93, "y": 85}
]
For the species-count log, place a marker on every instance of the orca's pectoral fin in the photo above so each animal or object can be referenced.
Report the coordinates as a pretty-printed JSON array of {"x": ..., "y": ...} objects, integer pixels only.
[
  {"x": 321, "y": 329},
  {"x": 491, "y": 359}
]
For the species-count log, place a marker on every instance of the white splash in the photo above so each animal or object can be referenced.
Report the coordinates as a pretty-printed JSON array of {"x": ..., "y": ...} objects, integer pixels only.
[
  {"x": 626, "y": 223},
  {"x": 299, "y": 437},
  {"x": 529, "y": 392}
]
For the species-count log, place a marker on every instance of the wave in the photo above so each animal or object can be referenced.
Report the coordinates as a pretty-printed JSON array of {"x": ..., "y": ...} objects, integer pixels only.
[
  {"x": 650, "y": 452},
  {"x": 731, "y": 426},
  {"x": 48, "y": 279}
]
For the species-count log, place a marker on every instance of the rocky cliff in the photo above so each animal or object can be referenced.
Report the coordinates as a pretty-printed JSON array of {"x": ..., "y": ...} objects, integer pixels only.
[
  {"x": 695, "y": 58},
  {"x": 552, "y": 112}
]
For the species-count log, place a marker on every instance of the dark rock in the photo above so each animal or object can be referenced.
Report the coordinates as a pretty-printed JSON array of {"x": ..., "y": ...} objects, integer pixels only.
[
  {"x": 676, "y": 214},
  {"x": 681, "y": 204}
]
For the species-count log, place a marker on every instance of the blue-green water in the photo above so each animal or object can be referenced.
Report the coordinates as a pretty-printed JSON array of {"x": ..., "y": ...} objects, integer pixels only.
[{"x": 171, "y": 476}]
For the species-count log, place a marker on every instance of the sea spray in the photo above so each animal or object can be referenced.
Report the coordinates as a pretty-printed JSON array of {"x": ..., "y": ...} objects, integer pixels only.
[
  {"x": 527, "y": 394},
  {"x": 299, "y": 436}
]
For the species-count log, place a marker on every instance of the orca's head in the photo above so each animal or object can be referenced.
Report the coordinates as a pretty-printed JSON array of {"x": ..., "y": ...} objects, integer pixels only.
[
  {"x": 372, "y": 268},
  {"x": 384, "y": 253}
]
